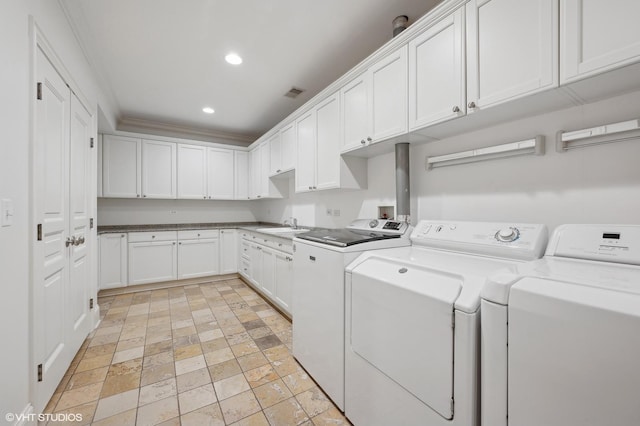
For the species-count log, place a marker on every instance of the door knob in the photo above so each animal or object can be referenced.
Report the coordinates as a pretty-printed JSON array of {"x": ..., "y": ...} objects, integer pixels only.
[
  {"x": 70, "y": 241},
  {"x": 79, "y": 241}
]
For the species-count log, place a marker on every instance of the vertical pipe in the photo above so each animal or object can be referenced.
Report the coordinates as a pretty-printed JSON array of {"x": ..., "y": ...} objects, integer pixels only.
[
  {"x": 399, "y": 24},
  {"x": 403, "y": 192}
]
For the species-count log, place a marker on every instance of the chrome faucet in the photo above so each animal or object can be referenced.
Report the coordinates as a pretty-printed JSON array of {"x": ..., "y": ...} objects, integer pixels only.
[{"x": 292, "y": 222}]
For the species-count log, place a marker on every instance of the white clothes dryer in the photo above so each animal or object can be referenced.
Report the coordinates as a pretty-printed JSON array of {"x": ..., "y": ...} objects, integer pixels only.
[
  {"x": 412, "y": 321},
  {"x": 561, "y": 335}
]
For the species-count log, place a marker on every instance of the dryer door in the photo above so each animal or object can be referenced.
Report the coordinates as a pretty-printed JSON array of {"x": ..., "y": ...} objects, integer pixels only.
[
  {"x": 401, "y": 324},
  {"x": 573, "y": 355}
]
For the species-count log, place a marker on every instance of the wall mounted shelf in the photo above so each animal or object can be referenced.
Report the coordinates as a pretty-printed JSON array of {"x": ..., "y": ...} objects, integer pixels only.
[
  {"x": 533, "y": 146},
  {"x": 608, "y": 133}
]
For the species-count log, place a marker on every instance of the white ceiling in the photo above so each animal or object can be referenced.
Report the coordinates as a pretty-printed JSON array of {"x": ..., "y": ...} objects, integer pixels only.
[{"x": 163, "y": 60}]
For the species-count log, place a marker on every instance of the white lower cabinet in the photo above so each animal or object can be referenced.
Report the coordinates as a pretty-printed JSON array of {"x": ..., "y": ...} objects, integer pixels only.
[
  {"x": 153, "y": 257},
  {"x": 112, "y": 267},
  {"x": 198, "y": 253},
  {"x": 228, "y": 251},
  {"x": 283, "y": 272}
]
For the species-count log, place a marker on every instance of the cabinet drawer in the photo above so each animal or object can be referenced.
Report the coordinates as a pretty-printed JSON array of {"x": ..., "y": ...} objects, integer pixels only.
[
  {"x": 244, "y": 268},
  {"x": 198, "y": 234},
  {"x": 139, "y": 237},
  {"x": 244, "y": 248},
  {"x": 245, "y": 235},
  {"x": 281, "y": 244}
]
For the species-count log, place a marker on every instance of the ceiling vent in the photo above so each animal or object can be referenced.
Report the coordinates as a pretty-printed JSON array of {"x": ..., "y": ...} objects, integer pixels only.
[{"x": 293, "y": 92}]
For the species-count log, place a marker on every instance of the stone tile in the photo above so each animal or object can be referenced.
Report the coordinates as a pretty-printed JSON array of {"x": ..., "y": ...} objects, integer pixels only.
[
  {"x": 190, "y": 364},
  {"x": 259, "y": 332},
  {"x": 187, "y": 352},
  {"x": 157, "y": 391},
  {"x": 127, "y": 367},
  {"x": 181, "y": 341},
  {"x": 127, "y": 418},
  {"x": 236, "y": 339},
  {"x": 257, "y": 419},
  {"x": 101, "y": 331},
  {"x": 116, "y": 404},
  {"x": 158, "y": 359},
  {"x": 79, "y": 396},
  {"x": 267, "y": 342},
  {"x": 250, "y": 325},
  {"x": 272, "y": 393},
  {"x": 182, "y": 323},
  {"x": 106, "y": 339},
  {"x": 240, "y": 406},
  {"x": 276, "y": 353},
  {"x": 84, "y": 411},
  {"x": 224, "y": 370},
  {"x": 330, "y": 417},
  {"x": 158, "y": 412},
  {"x": 185, "y": 331},
  {"x": 193, "y": 380},
  {"x": 196, "y": 398},
  {"x": 92, "y": 363},
  {"x": 261, "y": 375},
  {"x": 244, "y": 348},
  {"x": 209, "y": 335},
  {"x": 219, "y": 356},
  {"x": 173, "y": 422},
  {"x": 314, "y": 401},
  {"x": 286, "y": 366},
  {"x": 87, "y": 377},
  {"x": 157, "y": 373},
  {"x": 120, "y": 383},
  {"x": 211, "y": 415},
  {"x": 251, "y": 361},
  {"x": 231, "y": 386},
  {"x": 136, "y": 342},
  {"x": 159, "y": 336},
  {"x": 298, "y": 382},
  {"x": 158, "y": 347},
  {"x": 288, "y": 412},
  {"x": 94, "y": 351},
  {"x": 128, "y": 354}
]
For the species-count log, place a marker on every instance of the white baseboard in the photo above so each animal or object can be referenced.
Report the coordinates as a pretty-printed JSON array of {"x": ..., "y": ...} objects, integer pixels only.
[{"x": 26, "y": 418}]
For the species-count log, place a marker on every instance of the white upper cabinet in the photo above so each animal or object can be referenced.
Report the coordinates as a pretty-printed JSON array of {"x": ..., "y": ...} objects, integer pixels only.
[
  {"x": 255, "y": 173},
  {"x": 241, "y": 175},
  {"x": 327, "y": 145},
  {"x": 275, "y": 155},
  {"x": 305, "y": 178},
  {"x": 512, "y": 50},
  {"x": 437, "y": 78},
  {"x": 121, "y": 166},
  {"x": 597, "y": 36},
  {"x": 220, "y": 174},
  {"x": 374, "y": 104},
  {"x": 158, "y": 169},
  {"x": 192, "y": 172},
  {"x": 264, "y": 169},
  {"x": 288, "y": 147}
]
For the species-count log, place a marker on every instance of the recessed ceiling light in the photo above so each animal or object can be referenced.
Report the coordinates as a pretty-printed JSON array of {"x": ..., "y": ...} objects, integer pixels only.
[
  {"x": 233, "y": 59},
  {"x": 208, "y": 110}
]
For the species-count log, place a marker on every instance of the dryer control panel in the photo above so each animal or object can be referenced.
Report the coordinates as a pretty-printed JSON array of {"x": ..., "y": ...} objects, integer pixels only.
[
  {"x": 605, "y": 243},
  {"x": 510, "y": 240}
]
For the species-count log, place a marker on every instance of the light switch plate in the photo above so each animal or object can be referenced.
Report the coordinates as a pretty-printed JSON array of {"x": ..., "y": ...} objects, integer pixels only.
[
  {"x": 336, "y": 212},
  {"x": 6, "y": 212}
]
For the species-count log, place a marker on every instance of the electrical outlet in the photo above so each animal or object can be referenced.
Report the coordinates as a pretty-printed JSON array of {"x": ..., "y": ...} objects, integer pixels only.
[
  {"x": 336, "y": 212},
  {"x": 328, "y": 212}
]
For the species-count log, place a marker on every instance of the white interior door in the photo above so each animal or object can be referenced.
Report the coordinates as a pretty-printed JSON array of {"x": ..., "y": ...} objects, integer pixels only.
[{"x": 79, "y": 209}]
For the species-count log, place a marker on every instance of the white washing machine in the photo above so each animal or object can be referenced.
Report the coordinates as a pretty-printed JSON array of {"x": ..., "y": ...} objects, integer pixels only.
[
  {"x": 413, "y": 322},
  {"x": 561, "y": 336},
  {"x": 319, "y": 259}
]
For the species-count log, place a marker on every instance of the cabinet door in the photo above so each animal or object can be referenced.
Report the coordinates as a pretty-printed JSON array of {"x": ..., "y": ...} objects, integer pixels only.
[
  {"x": 268, "y": 283},
  {"x": 388, "y": 99},
  {"x": 284, "y": 280},
  {"x": 512, "y": 50},
  {"x": 328, "y": 143},
  {"x": 275, "y": 154},
  {"x": 220, "y": 174},
  {"x": 113, "y": 261},
  {"x": 264, "y": 169},
  {"x": 198, "y": 258},
  {"x": 121, "y": 163},
  {"x": 596, "y": 36},
  {"x": 255, "y": 256},
  {"x": 354, "y": 107},
  {"x": 228, "y": 251},
  {"x": 241, "y": 175},
  {"x": 306, "y": 152},
  {"x": 254, "y": 187},
  {"x": 158, "y": 169},
  {"x": 152, "y": 262},
  {"x": 437, "y": 79},
  {"x": 288, "y": 147},
  {"x": 192, "y": 172}
]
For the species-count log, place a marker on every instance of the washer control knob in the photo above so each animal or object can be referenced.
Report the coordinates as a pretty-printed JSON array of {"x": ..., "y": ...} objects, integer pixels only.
[
  {"x": 507, "y": 235},
  {"x": 373, "y": 223}
]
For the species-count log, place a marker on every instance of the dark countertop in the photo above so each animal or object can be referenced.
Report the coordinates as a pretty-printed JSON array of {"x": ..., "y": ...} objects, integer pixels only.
[{"x": 249, "y": 226}]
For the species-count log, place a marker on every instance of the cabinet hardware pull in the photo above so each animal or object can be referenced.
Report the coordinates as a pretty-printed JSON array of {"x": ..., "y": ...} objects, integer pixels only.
[
  {"x": 472, "y": 104},
  {"x": 144, "y": 196},
  {"x": 456, "y": 109},
  {"x": 369, "y": 139},
  {"x": 312, "y": 258},
  {"x": 363, "y": 142}
]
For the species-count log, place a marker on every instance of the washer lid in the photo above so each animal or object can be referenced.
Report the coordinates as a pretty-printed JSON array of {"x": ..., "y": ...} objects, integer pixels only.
[{"x": 402, "y": 324}]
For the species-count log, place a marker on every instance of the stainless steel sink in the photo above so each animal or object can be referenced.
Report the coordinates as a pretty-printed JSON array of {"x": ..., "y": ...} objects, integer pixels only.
[{"x": 283, "y": 230}]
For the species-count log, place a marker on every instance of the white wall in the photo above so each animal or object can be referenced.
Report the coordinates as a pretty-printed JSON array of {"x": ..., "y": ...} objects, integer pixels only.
[
  {"x": 16, "y": 366},
  {"x": 119, "y": 211},
  {"x": 591, "y": 185}
]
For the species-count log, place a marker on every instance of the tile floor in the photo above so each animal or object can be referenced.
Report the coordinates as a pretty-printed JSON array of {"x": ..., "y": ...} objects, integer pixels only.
[{"x": 208, "y": 354}]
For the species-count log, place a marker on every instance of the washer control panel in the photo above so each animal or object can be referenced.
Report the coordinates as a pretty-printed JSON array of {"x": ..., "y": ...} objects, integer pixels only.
[{"x": 517, "y": 241}]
